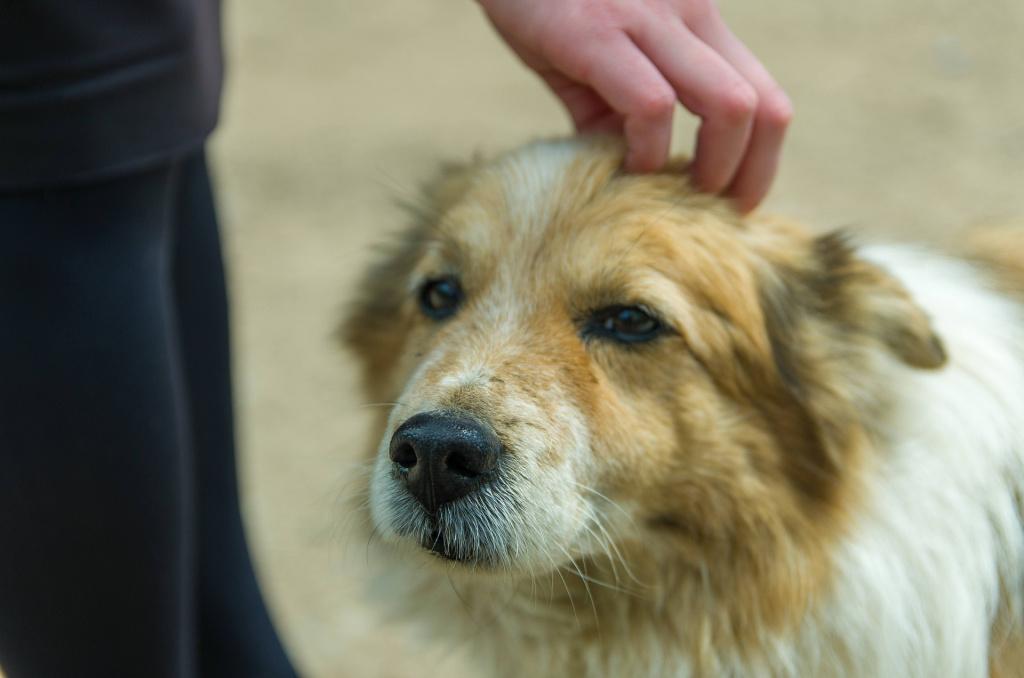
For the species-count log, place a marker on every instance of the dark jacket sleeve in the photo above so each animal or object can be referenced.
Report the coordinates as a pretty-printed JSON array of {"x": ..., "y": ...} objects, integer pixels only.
[{"x": 90, "y": 88}]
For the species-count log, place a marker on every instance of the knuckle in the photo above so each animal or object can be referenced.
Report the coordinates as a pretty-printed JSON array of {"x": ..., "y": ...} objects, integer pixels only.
[
  {"x": 699, "y": 12},
  {"x": 655, "y": 103},
  {"x": 600, "y": 16},
  {"x": 737, "y": 103},
  {"x": 776, "y": 110}
]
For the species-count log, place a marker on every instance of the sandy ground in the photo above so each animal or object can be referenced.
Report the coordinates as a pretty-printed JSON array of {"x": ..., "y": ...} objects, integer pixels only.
[{"x": 910, "y": 122}]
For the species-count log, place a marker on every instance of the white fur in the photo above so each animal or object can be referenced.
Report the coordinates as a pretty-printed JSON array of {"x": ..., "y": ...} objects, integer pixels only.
[
  {"x": 530, "y": 178},
  {"x": 918, "y": 579}
]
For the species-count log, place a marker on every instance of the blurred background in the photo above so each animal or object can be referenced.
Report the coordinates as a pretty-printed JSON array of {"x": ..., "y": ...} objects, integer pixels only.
[{"x": 909, "y": 124}]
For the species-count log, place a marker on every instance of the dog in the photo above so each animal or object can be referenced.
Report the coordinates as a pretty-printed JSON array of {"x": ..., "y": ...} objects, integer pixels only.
[{"x": 631, "y": 433}]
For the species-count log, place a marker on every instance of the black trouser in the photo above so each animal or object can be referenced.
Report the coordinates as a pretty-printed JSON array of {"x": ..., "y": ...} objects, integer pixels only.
[{"x": 122, "y": 552}]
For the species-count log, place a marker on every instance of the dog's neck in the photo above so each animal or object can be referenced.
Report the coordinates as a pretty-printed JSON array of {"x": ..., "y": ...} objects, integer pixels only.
[{"x": 592, "y": 616}]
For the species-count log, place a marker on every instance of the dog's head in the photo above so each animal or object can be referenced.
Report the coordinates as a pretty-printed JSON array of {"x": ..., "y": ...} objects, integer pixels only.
[{"x": 578, "y": 358}]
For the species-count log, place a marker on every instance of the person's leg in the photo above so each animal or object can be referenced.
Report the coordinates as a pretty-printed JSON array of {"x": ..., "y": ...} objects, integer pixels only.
[
  {"x": 95, "y": 481},
  {"x": 236, "y": 636}
]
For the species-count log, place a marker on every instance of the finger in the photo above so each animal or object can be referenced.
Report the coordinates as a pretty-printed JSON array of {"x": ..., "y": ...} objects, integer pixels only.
[
  {"x": 630, "y": 84},
  {"x": 709, "y": 87},
  {"x": 774, "y": 112}
]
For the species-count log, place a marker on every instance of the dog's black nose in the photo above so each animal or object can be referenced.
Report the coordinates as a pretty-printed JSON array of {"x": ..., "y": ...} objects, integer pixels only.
[{"x": 444, "y": 455}]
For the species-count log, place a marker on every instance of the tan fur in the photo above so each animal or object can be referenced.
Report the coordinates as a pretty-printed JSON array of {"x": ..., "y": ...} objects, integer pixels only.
[
  {"x": 739, "y": 438},
  {"x": 1007, "y": 648},
  {"x": 1000, "y": 249}
]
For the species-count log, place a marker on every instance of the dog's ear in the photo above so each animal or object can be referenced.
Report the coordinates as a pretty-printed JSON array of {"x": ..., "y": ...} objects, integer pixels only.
[
  {"x": 823, "y": 284},
  {"x": 443, "y": 190},
  {"x": 826, "y": 312},
  {"x": 374, "y": 326},
  {"x": 868, "y": 302}
]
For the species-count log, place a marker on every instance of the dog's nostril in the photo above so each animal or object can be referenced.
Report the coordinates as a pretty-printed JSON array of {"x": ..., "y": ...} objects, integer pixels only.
[
  {"x": 465, "y": 465},
  {"x": 404, "y": 456}
]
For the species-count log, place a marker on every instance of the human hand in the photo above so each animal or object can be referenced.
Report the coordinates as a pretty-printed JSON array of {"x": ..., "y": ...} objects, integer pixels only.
[{"x": 620, "y": 66}]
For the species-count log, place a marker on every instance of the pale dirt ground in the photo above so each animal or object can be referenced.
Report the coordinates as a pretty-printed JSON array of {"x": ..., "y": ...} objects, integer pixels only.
[{"x": 910, "y": 122}]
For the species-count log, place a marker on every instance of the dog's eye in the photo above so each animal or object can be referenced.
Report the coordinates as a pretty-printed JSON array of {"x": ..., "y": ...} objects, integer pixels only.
[
  {"x": 627, "y": 324},
  {"x": 440, "y": 298}
]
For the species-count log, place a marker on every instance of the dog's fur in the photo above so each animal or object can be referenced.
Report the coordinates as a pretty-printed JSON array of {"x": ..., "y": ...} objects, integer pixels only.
[{"x": 818, "y": 471}]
